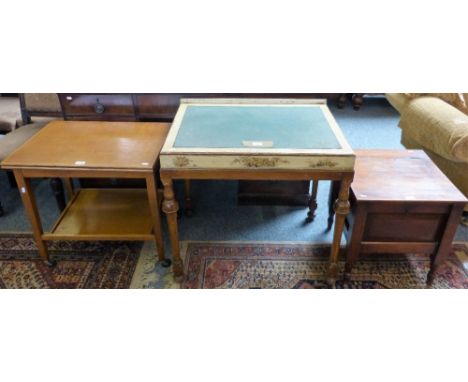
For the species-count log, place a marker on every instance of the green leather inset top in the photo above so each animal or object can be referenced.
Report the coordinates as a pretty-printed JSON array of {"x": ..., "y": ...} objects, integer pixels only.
[{"x": 283, "y": 127}]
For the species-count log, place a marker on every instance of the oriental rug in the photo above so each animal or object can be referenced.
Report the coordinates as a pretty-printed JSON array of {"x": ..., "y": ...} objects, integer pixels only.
[
  {"x": 79, "y": 264},
  {"x": 224, "y": 265}
]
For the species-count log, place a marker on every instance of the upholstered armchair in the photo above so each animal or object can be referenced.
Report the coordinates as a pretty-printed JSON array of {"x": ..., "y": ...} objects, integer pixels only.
[
  {"x": 32, "y": 114},
  {"x": 438, "y": 124}
]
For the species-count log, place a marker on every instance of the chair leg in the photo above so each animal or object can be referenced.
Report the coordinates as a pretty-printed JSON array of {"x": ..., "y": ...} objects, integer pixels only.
[
  {"x": 59, "y": 193},
  {"x": 1, "y": 210}
]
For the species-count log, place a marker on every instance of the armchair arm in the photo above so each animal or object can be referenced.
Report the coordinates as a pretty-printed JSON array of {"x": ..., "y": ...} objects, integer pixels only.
[{"x": 437, "y": 126}]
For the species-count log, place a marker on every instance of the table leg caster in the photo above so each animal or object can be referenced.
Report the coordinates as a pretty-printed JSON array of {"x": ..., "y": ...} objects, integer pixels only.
[
  {"x": 50, "y": 263},
  {"x": 166, "y": 263}
]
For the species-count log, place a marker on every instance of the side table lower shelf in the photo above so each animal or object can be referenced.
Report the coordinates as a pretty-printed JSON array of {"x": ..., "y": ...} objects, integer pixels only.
[{"x": 105, "y": 214}]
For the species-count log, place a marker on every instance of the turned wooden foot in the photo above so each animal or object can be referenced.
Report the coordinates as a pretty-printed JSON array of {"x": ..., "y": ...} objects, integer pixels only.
[
  {"x": 358, "y": 100},
  {"x": 341, "y": 102}
]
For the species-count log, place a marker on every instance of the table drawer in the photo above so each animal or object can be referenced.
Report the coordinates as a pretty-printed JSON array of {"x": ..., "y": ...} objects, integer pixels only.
[{"x": 97, "y": 106}]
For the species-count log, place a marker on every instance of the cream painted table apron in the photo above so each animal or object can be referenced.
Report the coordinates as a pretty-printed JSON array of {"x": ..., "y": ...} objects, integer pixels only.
[{"x": 256, "y": 139}]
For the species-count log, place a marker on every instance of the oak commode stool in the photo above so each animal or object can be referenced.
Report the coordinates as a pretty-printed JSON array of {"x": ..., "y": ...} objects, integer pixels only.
[{"x": 401, "y": 203}]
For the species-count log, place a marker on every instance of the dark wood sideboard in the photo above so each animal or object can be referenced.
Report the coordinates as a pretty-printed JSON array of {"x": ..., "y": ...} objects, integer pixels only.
[{"x": 162, "y": 107}]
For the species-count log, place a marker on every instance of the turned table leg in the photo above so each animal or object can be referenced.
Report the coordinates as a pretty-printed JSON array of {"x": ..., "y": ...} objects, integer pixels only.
[
  {"x": 170, "y": 208},
  {"x": 188, "y": 198},
  {"x": 27, "y": 195},
  {"x": 313, "y": 202},
  {"x": 151, "y": 186},
  {"x": 342, "y": 208}
]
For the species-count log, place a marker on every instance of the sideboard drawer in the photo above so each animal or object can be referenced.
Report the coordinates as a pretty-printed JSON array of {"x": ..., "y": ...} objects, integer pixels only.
[
  {"x": 97, "y": 106},
  {"x": 158, "y": 106}
]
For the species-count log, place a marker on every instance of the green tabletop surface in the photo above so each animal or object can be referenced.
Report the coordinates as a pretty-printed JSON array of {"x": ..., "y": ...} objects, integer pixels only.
[{"x": 277, "y": 127}]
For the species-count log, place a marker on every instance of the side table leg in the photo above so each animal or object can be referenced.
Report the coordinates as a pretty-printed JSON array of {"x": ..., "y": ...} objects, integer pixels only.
[
  {"x": 342, "y": 208},
  {"x": 188, "y": 199},
  {"x": 170, "y": 208},
  {"x": 157, "y": 226},
  {"x": 446, "y": 243},
  {"x": 27, "y": 195},
  {"x": 313, "y": 202}
]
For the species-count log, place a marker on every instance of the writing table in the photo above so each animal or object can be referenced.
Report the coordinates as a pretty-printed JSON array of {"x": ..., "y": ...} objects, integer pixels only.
[
  {"x": 72, "y": 149},
  {"x": 256, "y": 139}
]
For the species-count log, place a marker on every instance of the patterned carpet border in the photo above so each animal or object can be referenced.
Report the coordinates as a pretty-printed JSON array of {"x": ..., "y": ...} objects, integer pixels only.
[
  {"x": 273, "y": 265},
  {"x": 80, "y": 264},
  {"x": 212, "y": 265}
]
